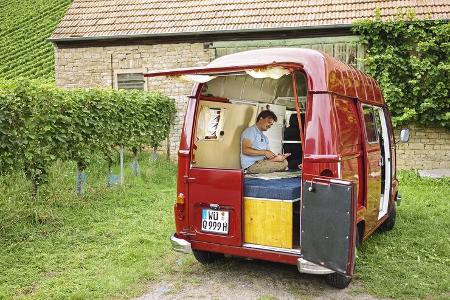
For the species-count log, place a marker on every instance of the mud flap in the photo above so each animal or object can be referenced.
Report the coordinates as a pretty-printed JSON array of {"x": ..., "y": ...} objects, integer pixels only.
[{"x": 328, "y": 224}]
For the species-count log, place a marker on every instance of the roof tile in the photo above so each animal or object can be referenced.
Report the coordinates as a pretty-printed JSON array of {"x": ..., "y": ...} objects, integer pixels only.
[{"x": 91, "y": 18}]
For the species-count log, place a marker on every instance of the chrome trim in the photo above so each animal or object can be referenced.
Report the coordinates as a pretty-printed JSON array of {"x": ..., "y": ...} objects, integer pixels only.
[
  {"x": 340, "y": 181},
  {"x": 308, "y": 267},
  {"x": 261, "y": 247},
  {"x": 180, "y": 245}
]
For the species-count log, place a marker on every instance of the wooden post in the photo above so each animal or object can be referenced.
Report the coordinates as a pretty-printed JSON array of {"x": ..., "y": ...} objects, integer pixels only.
[{"x": 121, "y": 164}]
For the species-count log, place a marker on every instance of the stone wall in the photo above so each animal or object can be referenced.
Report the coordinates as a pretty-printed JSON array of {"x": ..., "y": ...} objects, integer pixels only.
[
  {"x": 97, "y": 67},
  {"x": 428, "y": 148}
]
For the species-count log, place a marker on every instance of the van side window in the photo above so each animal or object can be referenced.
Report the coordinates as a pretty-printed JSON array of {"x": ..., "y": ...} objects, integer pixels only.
[
  {"x": 369, "y": 121},
  {"x": 210, "y": 123}
]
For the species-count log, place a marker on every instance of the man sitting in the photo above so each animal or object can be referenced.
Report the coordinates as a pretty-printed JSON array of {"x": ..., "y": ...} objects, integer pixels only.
[{"x": 255, "y": 154}]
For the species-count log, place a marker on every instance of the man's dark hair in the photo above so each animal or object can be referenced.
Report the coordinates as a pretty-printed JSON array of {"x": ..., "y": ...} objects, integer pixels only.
[{"x": 267, "y": 114}]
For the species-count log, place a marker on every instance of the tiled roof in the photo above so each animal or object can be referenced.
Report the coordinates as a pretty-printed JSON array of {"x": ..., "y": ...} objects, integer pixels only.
[{"x": 122, "y": 18}]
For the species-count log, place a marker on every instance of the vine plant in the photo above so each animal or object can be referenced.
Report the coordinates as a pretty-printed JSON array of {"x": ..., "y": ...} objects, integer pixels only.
[
  {"x": 410, "y": 60},
  {"x": 40, "y": 124}
]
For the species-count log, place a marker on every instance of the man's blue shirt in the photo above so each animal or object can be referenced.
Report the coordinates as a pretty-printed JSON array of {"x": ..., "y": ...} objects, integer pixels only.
[{"x": 259, "y": 142}]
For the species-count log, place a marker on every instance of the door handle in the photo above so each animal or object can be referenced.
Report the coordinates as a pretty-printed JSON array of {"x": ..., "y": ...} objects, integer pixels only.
[{"x": 188, "y": 179}]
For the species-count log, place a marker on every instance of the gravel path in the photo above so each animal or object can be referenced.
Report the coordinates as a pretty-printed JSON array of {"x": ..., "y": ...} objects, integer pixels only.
[{"x": 237, "y": 278}]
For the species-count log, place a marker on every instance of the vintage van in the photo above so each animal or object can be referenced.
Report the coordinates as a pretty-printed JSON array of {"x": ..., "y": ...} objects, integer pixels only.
[{"x": 313, "y": 217}]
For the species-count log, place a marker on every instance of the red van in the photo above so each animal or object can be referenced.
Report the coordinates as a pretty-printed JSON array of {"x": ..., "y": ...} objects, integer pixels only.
[{"x": 313, "y": 216}]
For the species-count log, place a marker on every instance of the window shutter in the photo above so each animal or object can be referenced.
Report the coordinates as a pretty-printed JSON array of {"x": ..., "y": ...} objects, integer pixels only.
[{"x": 130, "y": 81}]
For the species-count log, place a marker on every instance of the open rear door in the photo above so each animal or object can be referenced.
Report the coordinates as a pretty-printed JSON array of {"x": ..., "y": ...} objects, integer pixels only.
[
  {"x": 328, "y": 217},
  {"x": 215, "y": 205}
]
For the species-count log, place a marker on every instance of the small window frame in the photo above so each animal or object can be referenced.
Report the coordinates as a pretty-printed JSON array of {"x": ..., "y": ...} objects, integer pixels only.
[{"x": 130, "y": 71}]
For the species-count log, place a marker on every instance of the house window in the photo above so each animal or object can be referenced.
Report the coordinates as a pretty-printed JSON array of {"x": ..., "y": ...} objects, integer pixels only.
[{"x": 131, "y": 81}]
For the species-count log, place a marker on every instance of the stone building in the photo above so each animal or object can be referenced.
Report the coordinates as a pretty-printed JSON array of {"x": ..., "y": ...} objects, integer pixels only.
[{"x": 112, "y": 43}]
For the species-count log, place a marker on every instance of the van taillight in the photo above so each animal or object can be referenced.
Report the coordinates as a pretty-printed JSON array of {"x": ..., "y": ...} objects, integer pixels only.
[
  {"x": 179, "y": 207},
  {"x": 180, "y": 199}
]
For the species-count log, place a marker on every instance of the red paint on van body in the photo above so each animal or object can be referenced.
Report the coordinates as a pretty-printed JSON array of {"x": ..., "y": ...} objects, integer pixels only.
[{"x": 334, "y": 142}]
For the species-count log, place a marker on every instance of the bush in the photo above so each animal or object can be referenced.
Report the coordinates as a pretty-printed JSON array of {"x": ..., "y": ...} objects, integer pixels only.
[{"x": 40, "y": 124}]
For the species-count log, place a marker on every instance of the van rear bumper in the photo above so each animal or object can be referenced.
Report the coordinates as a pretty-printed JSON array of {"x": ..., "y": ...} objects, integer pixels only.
[
  {"x": 303, "y": 265},
  {"x": 308, "y": 267},
  {"x": 180, "y": 245}
]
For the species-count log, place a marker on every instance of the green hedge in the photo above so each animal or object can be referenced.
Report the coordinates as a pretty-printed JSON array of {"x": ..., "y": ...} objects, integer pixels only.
[
  {"x": 40, "y": 124},
  {"x": 410, "y": 60}
]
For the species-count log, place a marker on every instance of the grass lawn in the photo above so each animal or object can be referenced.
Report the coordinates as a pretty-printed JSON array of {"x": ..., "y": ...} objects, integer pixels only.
[
  {"x": 106, "y": 244},
  {"x": 412, "y": 260},
  {"x": 111, "y": 241}
]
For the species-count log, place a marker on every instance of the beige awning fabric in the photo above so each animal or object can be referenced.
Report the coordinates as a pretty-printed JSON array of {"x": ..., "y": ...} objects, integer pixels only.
[
  {"x": 274, "y": 73},
  {"x": 205, "y": 74}
]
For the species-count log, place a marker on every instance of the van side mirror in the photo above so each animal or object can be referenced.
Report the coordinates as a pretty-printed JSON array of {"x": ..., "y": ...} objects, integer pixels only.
[{"x": 404, "y": 135}]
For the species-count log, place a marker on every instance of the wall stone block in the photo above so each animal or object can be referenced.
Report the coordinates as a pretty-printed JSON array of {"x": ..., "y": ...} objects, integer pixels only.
[{"x": 434, "y": 154}]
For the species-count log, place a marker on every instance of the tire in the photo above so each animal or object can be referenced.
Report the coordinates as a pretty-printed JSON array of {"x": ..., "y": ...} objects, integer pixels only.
[
  {"x": 339, "y": 280},
  {"x": 205, "y": 257},
  {"x": 389, "y": 223}
]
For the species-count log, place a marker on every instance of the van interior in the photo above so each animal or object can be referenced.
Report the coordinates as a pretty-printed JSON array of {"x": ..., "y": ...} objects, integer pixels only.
[{"x": 229, "y": 103}]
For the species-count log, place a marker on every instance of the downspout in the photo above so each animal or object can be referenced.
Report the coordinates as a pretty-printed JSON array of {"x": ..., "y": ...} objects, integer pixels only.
[{"x": 112, "y": 72}]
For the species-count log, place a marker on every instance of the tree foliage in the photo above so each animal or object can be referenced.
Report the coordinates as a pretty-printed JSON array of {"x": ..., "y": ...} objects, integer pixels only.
[
  {"x": 40, "y": 123},
  {"x": 410, "y": 60}
]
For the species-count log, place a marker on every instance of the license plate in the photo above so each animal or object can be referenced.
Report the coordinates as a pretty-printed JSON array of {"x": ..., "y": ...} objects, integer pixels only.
[{"x": 215, "y": 221}]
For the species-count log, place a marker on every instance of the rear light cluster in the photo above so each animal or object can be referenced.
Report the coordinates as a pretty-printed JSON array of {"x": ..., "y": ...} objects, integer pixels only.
[
  {"x": 180, "y": 199},
  {"x": 179, "y": 206}
]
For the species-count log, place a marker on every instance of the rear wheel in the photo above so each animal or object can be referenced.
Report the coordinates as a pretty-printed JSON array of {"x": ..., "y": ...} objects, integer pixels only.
[
  {"x": 205, "y": 257},
  {"x": 389, "y": 223},
  {"x": 338, "y": 280}
]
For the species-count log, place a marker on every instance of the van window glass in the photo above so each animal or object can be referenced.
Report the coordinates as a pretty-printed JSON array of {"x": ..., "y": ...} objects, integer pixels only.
[
  {"x": 209, "y": 122},
  {"x": 370, "y": 124}
]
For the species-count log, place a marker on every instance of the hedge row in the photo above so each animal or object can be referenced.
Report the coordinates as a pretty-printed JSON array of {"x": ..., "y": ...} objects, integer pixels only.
[{"x": 40, "y": 124}]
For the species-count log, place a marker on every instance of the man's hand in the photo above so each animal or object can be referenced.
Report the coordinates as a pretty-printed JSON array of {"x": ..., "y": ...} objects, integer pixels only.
[
  {"x": 269, "y": 154},
  {"x": 278, "y": 158},
  {"x": 248, "y": 150}
]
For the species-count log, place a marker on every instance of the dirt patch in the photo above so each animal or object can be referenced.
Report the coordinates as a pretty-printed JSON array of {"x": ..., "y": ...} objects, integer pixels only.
[{"x": 236, "y": 278}]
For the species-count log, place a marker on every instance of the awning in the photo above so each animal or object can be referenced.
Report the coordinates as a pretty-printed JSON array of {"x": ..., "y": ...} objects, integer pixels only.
[{"x": 204, "y": 74}]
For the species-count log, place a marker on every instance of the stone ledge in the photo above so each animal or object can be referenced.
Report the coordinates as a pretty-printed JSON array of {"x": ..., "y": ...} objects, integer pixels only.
[{"x": 435, "y": 173}]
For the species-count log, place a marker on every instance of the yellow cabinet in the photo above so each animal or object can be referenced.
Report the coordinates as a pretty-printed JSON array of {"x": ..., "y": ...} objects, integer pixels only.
[{"x": 268, "y": 222}]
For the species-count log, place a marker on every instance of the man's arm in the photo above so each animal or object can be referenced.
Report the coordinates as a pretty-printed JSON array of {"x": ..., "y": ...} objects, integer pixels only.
[{"x": 248, "y": 150}]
